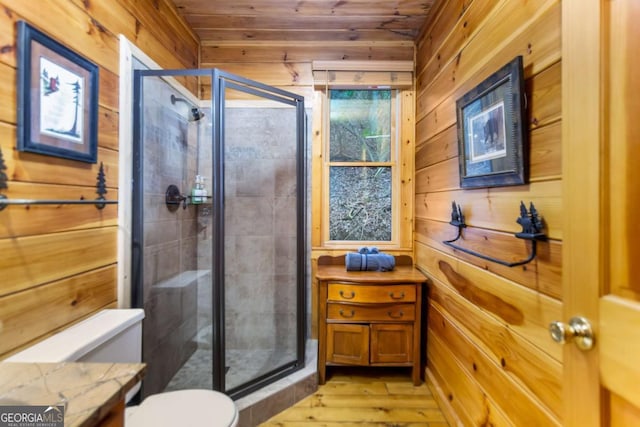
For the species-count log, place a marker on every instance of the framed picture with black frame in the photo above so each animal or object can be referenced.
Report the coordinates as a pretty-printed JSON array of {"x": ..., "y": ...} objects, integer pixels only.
[
  {"x": 491, "y": 124},
  {"x": 57, "y": 98}
]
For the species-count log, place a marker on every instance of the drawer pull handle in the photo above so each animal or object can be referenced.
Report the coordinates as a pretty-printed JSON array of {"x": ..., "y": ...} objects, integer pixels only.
[
  {"x": 343, "y": 295},
  {"x": 343, "y": 314},
  {"x": 392, "y": 295},
  {"x": 396, "y": 316}
]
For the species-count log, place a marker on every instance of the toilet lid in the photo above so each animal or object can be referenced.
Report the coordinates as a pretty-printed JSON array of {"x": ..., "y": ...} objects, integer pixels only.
[{"x": 185, "y": 408}]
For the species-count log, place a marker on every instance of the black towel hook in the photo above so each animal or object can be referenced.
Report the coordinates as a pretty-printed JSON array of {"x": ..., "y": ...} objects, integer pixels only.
[{"x": 531, "y": 230}]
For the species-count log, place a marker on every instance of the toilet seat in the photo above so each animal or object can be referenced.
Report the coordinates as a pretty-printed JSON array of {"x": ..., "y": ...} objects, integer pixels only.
[{"x": 185, "y": 408}]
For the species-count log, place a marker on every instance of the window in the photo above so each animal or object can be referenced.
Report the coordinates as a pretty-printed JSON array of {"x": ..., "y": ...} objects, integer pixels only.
[{"x": 361, "y": 167}]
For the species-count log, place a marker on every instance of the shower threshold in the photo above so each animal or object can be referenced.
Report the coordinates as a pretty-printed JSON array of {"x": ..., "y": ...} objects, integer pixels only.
[{"x": 262, "y": 404}]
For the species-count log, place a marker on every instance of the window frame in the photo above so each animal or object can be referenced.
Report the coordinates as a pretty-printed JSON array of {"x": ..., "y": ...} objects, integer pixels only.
[{"x": 395, "y": 155}]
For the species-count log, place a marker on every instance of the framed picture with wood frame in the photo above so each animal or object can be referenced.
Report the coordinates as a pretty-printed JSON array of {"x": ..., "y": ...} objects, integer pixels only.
[
  {"x": 491, "y": 124},
  {"x": 57, "y": 98}
]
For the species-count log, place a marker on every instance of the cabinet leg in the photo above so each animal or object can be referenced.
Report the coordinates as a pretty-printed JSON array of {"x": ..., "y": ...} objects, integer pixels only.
[
  {"x": 322, "y": 372},
  {"x": 415, "y": 375}
]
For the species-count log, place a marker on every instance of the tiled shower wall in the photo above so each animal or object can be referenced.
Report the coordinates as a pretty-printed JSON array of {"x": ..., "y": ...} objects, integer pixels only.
[
  {"x": 170, "y": 238},
  {"x": 260, "y": 229}
]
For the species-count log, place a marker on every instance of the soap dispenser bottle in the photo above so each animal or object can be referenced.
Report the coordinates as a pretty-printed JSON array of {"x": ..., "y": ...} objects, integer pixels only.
[
  {"x": 203, "y": 190},
  {"x": 198, "y": 190}
]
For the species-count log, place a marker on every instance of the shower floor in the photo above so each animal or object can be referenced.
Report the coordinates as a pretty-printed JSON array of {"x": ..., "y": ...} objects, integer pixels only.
[{"x": 242, "y": 366}]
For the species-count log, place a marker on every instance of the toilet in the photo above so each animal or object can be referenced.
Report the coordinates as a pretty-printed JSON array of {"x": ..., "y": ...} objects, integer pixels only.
[{"x": 115, "y": 336}]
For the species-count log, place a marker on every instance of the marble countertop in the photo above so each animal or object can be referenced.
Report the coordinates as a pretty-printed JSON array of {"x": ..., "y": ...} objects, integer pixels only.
[{"x": 88, "y": 391}]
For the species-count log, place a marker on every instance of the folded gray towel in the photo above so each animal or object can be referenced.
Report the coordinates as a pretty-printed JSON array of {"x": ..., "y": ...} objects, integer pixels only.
[
  {"x": 369, "y": 261},
  {"x": 365, "y": 250}
]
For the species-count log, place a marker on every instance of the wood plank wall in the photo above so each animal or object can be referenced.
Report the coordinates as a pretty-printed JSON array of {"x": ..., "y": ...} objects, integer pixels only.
[
  {"x": 287, "y": 64},
  {"x": 58, "y": 263},
  {"x": 490, "y": 359}
]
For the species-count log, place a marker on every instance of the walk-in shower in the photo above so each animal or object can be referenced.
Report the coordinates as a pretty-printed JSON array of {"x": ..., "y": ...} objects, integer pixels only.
[{"x": 220, "y": 274}]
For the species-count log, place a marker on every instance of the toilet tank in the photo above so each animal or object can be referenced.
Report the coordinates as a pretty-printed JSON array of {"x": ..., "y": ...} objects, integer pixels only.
[{"x": 112, "y": 335}]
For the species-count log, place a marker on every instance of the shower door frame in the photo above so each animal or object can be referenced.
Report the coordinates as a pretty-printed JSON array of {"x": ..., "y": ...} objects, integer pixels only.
[{"x": 220, "y": 81}]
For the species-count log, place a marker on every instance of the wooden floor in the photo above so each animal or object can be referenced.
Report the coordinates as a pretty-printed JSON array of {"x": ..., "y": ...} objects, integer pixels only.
[{"x": 364, "y": 397}]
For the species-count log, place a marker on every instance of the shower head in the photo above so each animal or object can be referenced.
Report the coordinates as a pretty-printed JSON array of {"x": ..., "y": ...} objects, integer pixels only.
[{"x": 195, "y": 113}]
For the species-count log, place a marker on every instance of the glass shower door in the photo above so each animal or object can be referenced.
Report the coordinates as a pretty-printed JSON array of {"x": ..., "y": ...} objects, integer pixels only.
[
  {"x": 260, "y": 149},
  {"x": 222, "y": 280},
  {"x": 260, "y": 235},
  {"x": 172, "y": 267}
]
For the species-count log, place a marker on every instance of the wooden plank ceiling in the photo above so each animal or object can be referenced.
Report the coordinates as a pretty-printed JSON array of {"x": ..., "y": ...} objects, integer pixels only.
[{"x": 304, "y": 21}]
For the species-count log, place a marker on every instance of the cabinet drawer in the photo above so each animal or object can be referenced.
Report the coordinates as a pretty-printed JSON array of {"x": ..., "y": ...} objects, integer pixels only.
[
  {"x": 387, "y": 312},
  {"x": 371, "y": 293}
]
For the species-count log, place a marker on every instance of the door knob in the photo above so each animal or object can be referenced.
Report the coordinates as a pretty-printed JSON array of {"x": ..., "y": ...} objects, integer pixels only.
[{"x": 578, "y": 330}]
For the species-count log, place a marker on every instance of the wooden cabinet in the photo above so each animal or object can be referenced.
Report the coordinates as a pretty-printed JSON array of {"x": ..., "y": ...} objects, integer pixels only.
[
  {"x": 392, "y": 343},
  {"x": 369, "y": 318},
  {"x": 348, "y": 344}
]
